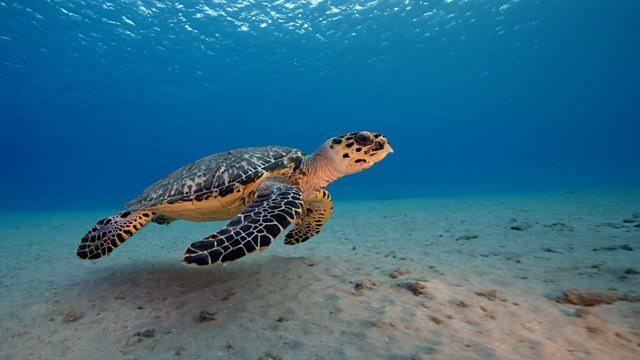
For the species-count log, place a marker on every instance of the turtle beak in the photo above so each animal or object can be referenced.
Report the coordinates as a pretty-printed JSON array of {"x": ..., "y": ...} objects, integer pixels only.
[
  {"x": 389, "y": 148},
  {"x": 379, "y": 150},
  {"x": 384, "y": 145}
]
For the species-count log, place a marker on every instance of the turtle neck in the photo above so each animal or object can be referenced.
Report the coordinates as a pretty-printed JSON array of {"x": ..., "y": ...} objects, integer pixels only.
[{"x": 316, "y": 172}]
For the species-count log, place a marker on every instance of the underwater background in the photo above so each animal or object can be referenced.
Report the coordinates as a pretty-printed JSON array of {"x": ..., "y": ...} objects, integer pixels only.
[
  {"x": 505, "y": 225},
  {"x": 100, "y": 98}
]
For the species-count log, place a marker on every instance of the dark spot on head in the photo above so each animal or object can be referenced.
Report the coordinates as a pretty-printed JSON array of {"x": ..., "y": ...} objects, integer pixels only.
[
  {"x": 364, "y": 139},
  {"x": 360, "y": 160},
  {"x": 349, "y": 145},
  {"x": 345, "y": 155},
  {"x": 358, "y": 149},
  {"x": 377, "y": 136},
  {"x": 379, "y": 145},
  {"x": 336, "y": 141}
]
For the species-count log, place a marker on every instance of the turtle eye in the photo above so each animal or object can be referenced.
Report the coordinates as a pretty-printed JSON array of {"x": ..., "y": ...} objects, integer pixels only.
[{"x": 364, "y": 139}]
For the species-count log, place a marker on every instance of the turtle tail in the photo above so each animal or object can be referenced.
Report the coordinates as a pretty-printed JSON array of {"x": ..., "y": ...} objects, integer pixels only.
[{"x": 112, "y": 231}]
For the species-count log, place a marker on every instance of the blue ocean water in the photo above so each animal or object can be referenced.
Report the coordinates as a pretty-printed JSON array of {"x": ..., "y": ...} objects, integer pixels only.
[{"x": 100, "y": 98}]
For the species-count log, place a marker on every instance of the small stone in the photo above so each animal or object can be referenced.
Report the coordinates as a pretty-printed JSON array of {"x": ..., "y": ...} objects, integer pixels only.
[
  {"x": 178, "y": 351},
  {"x": 353, "y": 248},
  {"x": 606, "y": 248},
  {"x": 559, "y": 226},
  {"x": 462, "y": 304},
  {"x": 593, "y": 298},
  {"x": 521, "y": 226},
  {"x": 613, "y": 225},
  {"x": 206, "y": 316},
  {"x": 622, "y": 336},
  {"x": 270, "y": 356},
  {"x": 228, "y": 296},
  {"x": 582, "y": 312},
  {"x": 490, "y": 295},
  {"x": 436, "y": 320},
  {"x": 468, "y": 237},
  {"x": 595, "y": 330},
  {"x": 146, "y": 333},
  {"x": 550, "y": 250},
  {"x": 386, "y": 325},
  {"x": 70, "y": 316},
  {"x": 417, "y": 288},
  {"x": 629, "y": 221},
  {"x": 398, "y": 272},
  {"x": 282, "y": 319},
  {"x": 631, "y": 271},
  {"x": 365, "y": 285},
  {"x": 626, "y": 247}
]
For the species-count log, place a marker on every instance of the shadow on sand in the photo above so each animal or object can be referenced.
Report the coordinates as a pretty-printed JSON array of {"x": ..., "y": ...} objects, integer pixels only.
[{"x": 149, "y": 280}]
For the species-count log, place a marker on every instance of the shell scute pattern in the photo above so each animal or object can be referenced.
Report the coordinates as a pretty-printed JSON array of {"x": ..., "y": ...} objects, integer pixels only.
[{"x": 218, "y": 175}]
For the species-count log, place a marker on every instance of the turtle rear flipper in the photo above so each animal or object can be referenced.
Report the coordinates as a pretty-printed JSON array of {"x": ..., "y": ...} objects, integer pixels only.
[
  {"x": 112, "y": 231},
  {"x": 275, "y": 206}
]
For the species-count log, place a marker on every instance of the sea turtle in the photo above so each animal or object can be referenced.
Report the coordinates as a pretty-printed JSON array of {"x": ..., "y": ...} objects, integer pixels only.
[{"x": 262, "y": 190}]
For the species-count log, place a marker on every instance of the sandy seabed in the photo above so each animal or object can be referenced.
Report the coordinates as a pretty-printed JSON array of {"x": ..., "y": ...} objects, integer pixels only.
[{"x": 445, "y": 278}]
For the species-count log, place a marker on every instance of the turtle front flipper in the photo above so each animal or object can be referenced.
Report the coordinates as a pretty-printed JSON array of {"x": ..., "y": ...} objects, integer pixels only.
[
  {"x": 112, "y": 231},
  {"x": 317, "y": 211},
  {"x": 275, "y": 206}
]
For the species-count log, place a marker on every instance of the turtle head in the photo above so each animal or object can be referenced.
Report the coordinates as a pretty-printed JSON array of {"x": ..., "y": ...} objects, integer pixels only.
[{"x": 354, "y": 152}]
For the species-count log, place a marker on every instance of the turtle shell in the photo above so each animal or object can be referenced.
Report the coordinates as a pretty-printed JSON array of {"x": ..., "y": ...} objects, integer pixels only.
[{"x": 218, "y": 175}]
